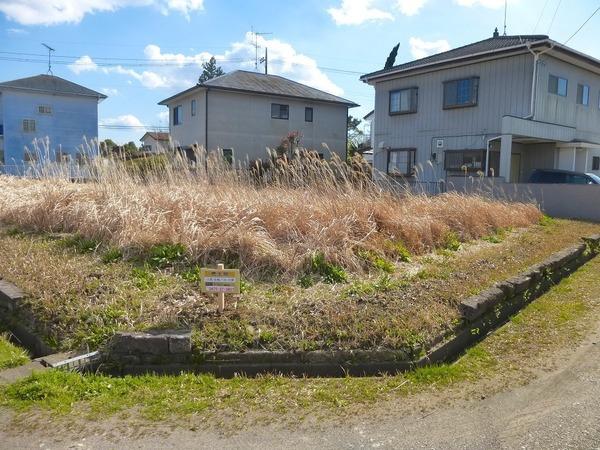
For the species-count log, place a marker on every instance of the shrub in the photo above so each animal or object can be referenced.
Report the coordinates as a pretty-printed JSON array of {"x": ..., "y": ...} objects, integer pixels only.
[{"x": 163, "y": 255}]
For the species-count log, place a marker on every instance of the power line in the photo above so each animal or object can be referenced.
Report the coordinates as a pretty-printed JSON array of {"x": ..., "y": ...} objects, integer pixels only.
[
  {"x": 582, "y": 25},
  {"x": 541, "y": 15},
  {"x": 554, "y": 16}
]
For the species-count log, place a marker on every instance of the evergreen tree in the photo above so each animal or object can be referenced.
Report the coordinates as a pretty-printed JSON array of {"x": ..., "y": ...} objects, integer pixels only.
[
  {"x": 391, "y": 60},
  {"x": 210, "y": 70}
]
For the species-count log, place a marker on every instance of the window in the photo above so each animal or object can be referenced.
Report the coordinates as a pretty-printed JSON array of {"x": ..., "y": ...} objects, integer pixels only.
[
  {"x": 583, "y": 95},
  {"x": 401, "y": 162},
  {"x": 28, "y": 126},
  {"x": 228, "y": 155},
  {"x": 596, "y": 163},
  {"x": 193, "y": 108},
  {"x": 44, "y": 109},
  {"x": 473, "y": 160},
  {"x": 1, "y": 129},
  {"x": 177, "y": 115},
  {"x": 404, "y": 101},
  {"x": 280, "y": 111},
  {"x": 308, "y": 114},
  {"x": 558, "y": 85},
  {"x": 461, "y": 93}
]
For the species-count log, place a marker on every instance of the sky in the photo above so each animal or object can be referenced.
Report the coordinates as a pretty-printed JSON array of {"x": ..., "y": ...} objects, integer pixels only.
[{"x": 139, "y": 52}]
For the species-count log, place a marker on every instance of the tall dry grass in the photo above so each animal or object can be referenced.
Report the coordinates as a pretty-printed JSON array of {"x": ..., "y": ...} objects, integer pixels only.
[{"x": 270, "y": 220}]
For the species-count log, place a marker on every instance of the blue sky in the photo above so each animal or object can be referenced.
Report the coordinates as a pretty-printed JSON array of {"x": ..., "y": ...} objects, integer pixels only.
[{"x": 139, "y": 52}]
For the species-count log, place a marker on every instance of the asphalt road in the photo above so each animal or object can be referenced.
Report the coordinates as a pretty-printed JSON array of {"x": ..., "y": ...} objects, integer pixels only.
[{"x": 559, "y": 410}]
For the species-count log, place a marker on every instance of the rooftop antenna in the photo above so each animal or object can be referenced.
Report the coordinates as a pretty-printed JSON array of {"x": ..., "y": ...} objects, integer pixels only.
[
  {"x": 50, "y": 50},
  {"x": 256, "y": 46},
  {"x": 505, "y": 10}
]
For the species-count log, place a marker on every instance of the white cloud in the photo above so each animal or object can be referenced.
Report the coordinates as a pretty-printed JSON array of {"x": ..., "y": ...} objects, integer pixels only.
[
  {"x": 493, "y": 4},
  {"x": 16, "y": 31},
  {"x": 355, "y": 12},
  {"x": 45, "y": 12},
  {"x": 176, "y": 70},
  {"x": 163, "y": 117},
  {"x": 110, "y": 91},
  {"x": 284, "y": 60},
  {"x": 127, "y": 120},
  {"x": 410, "y": 7},
  {"x": 83, "y": 64},
  {"x": 420, "y": 48}
]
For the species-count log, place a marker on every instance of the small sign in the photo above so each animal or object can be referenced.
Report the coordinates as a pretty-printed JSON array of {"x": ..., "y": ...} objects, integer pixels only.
[{"x": 220, "y": 281}]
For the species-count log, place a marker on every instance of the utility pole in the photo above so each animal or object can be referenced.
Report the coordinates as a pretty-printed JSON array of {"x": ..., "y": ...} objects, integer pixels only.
[
  {"x": 50, "y": 50},
  {"x": 256, "y": 46},
  {"x": 505, "y": 10}
]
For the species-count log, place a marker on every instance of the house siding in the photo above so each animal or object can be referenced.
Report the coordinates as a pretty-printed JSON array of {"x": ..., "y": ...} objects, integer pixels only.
[
  {"x": 504, "y": 89},
  {"x": 72, "y": 119},
  {"x": 242, "y": 121},
  {"x": 553, "y": 108}
]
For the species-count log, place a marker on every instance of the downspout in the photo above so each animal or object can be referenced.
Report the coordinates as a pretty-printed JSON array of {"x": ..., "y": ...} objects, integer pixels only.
[
  {"x": 206, "y": 121},
  {"x": 536, "y": 59}
]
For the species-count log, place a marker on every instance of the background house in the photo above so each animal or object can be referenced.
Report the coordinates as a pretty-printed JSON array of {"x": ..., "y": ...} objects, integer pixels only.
[
  {"x": 503, "y": 106},
  {"x": 155, "y": 142},
  {"x": 40, "y": 107},
  {"x": 243, "y": 113}
]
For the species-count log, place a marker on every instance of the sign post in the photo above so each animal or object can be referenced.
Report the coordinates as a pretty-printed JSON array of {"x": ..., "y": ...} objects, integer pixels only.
[{"x": 220, "y": 281}]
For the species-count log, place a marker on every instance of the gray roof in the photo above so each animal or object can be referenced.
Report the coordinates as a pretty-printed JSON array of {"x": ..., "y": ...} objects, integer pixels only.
[
  {"x": 244, "y": 81},
  {"x": 51, "y": 84},
  {"x": 493, "y": 44}
]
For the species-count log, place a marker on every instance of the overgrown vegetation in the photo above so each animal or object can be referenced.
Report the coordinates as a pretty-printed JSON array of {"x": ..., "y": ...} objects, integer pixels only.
[{"x": 270, "y": 221}]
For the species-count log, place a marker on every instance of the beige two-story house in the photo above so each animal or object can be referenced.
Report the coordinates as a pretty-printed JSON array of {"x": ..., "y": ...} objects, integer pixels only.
[
  {"x": 244, "y": 113},
  {"x": 503, "y": 107}
]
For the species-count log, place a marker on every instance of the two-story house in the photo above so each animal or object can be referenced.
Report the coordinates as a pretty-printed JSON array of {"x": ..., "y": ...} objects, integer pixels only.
[
  {"x": 49, "y": 109},
  {"x": 244, "y": 113},
  {"x": 503, "y": 107}
]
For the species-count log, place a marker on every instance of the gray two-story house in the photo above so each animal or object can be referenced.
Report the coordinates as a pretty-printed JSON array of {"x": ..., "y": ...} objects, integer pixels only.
[
  {"x": 244, "y": 113},
  {"x": 503, "y": 107}
]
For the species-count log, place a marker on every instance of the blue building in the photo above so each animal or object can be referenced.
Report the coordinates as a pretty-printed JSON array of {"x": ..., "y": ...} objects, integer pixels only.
[{"x": 55, "y": 113}]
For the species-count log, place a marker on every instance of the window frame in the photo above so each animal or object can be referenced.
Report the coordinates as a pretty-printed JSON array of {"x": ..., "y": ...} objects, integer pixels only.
[
  {"x": 413, "y": 93},
  {"x": 193, "y": 107},
  {"x": 228, "y": 155},
  {"x": 482, "y": 153},
  {"x": 28, "y": 129},
  {"x": 474, "y": 93},
  {"x": 312, "y": 114},
  {"x": 558, "y": 78},
  {"x": 177, "y": 113},
  {"x": 411, "y": 162},
  {"x": 279, "y": 116},
  {"x": 583, "y": 88},
  {"x": 45, "y": 110},
  {"x": 595, "y": 162}
]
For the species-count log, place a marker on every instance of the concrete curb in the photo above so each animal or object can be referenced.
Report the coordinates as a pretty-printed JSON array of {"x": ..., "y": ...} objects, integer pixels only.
[{"x": 137, "y": 353}]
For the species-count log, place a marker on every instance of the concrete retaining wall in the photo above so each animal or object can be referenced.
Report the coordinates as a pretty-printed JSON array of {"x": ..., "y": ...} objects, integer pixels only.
[
  {"x": 567, "y": 201},
  {"x": 170, "y": 352}
]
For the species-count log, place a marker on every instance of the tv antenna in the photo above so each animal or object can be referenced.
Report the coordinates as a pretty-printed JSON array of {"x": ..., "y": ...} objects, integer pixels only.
[
  {"x": 505, "y": 11},
  {"x": 256, "y": 46},
  {"x": 50, "y": 50}
]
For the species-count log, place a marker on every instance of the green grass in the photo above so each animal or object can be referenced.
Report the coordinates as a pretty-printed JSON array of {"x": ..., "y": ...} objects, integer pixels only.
[
  {"x": 11, "y": 355},
  {"x": 555, "y": 321}
]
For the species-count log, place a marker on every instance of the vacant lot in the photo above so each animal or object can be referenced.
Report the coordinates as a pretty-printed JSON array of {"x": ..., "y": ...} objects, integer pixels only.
[{"x": 328, "y": 260}]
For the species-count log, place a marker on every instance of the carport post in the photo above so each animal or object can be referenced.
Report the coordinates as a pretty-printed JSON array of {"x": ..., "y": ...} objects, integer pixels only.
[{"x": 505, "y": 156}]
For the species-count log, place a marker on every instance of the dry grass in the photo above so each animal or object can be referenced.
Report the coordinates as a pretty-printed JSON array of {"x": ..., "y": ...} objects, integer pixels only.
[{"x": 272, "y": 223}]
